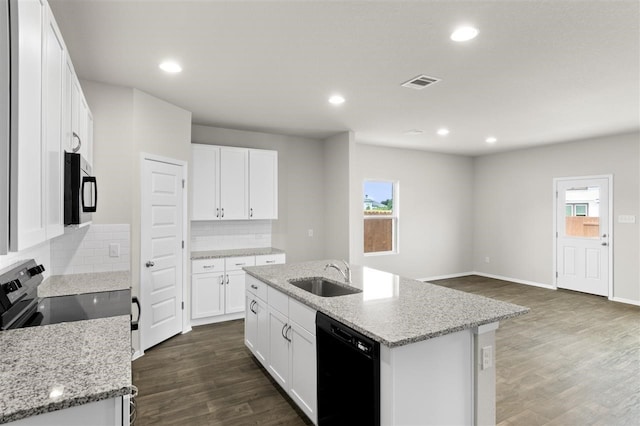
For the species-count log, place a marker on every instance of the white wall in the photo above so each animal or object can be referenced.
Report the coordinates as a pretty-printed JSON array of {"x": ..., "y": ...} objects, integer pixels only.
[
  {"x": 513, "y": 220},
  {"x": 435, "y": 200},
  {"x": 336, "y": 201},
  {"x": 127, "y": 123},
  {"x": 300, "y": 186}
]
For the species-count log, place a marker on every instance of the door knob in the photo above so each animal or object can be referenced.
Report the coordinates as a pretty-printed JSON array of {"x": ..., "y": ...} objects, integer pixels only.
[{"x": 149, "y": 264}]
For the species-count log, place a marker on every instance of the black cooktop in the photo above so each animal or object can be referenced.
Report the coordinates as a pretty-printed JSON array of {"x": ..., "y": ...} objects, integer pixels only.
[{"x": 54, "y": 310}]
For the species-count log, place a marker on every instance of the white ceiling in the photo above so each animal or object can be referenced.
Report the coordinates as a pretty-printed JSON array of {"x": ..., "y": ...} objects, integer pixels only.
[{"x": 539, "y": 71}]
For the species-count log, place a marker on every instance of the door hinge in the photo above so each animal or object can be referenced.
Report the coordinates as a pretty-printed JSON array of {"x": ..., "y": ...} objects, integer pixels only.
[
  {"x": 556, "y": 192},
  {"x": 182, "y": 183},
  {"x": 556, "y": 277},
  {"x": 183, "y": 306},
  {"x": 556, "y": 234},
  {"x": 183, "y": 244}
]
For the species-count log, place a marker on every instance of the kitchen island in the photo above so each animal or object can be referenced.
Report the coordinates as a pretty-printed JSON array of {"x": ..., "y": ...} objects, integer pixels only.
[{"x": 437, "y": 345}]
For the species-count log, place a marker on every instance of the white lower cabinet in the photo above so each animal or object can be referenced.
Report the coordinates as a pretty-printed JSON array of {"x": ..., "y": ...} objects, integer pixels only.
[
  {"x": 218, "y": 287},
  {"x": 108, "y": 412},
  {"x": 289, "y": 349}
]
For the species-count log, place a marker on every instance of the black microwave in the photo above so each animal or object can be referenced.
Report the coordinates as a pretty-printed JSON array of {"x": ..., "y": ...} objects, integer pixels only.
[{"x": 80, "y": 190}]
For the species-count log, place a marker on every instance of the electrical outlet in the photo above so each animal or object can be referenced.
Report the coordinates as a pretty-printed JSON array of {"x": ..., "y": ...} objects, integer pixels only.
[
  {"x": 487, "y": 357},
  {"x": 310, "y": 232},
  {"x": 114, "y": 250}
]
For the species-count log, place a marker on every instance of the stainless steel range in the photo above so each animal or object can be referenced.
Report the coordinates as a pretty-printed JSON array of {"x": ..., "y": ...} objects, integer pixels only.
[{"x": 20, "y": 305}]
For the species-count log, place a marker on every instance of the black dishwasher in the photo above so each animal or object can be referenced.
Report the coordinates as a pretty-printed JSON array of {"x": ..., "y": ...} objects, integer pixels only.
[{"x": 348, "y": 375}]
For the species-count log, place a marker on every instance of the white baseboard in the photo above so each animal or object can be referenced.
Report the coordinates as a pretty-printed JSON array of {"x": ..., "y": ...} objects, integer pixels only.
[
  {"x": 216, "y": 319},
  {"x": 515, "y": 280},
  {"x": 137, "y": 354},
  {"x": 627, "y": 301},
  {"x": 444, "y": 277},
  {"x": 187, "y": 329}
]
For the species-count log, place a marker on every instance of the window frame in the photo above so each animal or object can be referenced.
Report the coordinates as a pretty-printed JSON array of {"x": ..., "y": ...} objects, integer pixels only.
[{"x": 395, "y": 217}]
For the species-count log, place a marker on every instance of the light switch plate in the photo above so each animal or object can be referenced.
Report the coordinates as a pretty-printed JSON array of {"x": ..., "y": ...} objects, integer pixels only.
[
  {"x": 626, "y": 218},
  {"x": 114, "y": 250}
]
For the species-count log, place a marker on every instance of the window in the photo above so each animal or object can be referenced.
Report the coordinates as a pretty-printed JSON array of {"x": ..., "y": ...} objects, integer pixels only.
[{"x": 380, "y": 212}]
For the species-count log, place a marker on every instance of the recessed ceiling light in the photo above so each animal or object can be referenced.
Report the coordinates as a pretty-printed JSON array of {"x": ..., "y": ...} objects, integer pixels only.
[
  {"x": 443, "y": 132},
  {"x": 171, "y": 67},
  {"x": 491, "y": 139},
  {"x": 336, "y": 100},
  {"x": 464, "y": 33}
]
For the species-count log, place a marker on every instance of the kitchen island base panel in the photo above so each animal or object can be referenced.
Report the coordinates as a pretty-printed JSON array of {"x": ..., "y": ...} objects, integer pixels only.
[{"x": 429, "y": 382}]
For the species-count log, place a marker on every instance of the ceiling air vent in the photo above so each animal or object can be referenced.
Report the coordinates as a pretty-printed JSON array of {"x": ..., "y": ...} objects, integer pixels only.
[{"x": 420, "y": 82}]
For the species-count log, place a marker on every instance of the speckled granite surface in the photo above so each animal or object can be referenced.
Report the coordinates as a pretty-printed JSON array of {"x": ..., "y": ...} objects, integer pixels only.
[
  {"x": 64, "y": 285},
  {"x": 213, "y": 254},
  {"x": 392, "y": 310},
  {"x": 87, "y": 360}
]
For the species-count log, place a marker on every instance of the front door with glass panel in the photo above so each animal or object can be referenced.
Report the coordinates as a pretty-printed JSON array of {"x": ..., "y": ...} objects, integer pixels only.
[{"x": 583, "y": 235}]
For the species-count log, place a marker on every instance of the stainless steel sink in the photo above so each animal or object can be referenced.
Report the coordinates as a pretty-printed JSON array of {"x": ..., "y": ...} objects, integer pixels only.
[{"x": 323, "y": 287}]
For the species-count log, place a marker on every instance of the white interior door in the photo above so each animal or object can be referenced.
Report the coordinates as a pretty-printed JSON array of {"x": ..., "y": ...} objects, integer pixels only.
[
  {"x": 583, "y": 236},
  {"x": 161, "y": 252}
]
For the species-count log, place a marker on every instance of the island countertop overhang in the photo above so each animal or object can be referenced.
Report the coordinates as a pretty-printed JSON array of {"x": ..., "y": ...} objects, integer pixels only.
[{"x": 391, "y": 309}]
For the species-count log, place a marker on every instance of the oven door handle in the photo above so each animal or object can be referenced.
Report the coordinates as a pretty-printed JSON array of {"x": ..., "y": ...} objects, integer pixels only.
[
  {"x": 94, "y": 186},
  {"x": 134, "y": 324}
]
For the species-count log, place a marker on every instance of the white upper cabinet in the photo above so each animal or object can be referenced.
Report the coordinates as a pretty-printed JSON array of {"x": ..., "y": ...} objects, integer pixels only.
[
  {"x": 263, "y": 184},
  {"x": 205, "y": 204},
  {"x": 232, "y": 183},
  {"x": 234, "y": 179},
  {"x": 27, "y": 213},
  {"x": 53, "y": 97},
  {"x": 45, "y": 92}
]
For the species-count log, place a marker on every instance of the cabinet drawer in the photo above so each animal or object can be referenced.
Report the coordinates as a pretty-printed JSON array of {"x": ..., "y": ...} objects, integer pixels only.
[
  {"x": 200, "y": 266},
  {"x": 277, "y": 300},
  {"x": 236, "y": 263},
  {"x": 270, "y": 259},
  {"x": 256, "y": 287},
  {"x": 302, "y": 315}
]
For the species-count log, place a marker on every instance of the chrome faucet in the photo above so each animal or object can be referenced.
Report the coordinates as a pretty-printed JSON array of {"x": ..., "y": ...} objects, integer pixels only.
[{"x": 346, "y": 274}]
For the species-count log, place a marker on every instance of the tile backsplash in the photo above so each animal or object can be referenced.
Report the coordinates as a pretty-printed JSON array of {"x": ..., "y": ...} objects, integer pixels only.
[
  {"x": 230, "y": 234},
  {"x": 95, "y": 248}
]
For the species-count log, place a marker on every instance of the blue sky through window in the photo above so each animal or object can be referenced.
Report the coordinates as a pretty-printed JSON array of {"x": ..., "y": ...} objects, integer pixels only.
[{"x": 378, "y": 191}]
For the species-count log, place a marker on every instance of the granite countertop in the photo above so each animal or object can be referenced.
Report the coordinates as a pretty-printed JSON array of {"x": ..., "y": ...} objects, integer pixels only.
[
  {"x": 87, "y": 361},
  {"x": 216, "y": 254},
  {"x": 65, "y": 285},
  {"x": 392, "y": 310}
]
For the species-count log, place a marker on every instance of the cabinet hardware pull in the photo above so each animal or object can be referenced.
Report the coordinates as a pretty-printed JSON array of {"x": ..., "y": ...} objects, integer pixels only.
[
  {"x": 227, "y": 279},
  {"x": 240, "y": 264},
  {"x": 221, "y": 279},
  {"x": 282, "y": 332},
  {"x": 77, "y": 148},
  {"x": 250, "y": 212},
  {"x": 222, "y": 212},
  {"x": 253, "y": 286},
  {"x": 287, "y": 334},
  {"x": 271, "y": 261},
  {"x": 218, "y": 212}
]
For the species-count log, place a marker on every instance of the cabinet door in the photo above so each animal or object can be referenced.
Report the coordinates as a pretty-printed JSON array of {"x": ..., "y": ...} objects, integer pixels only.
[
  {"x": 207, "y": 295},
  {"x": 68, "y": 140},
  {"x": 53, "y": 79},
  {"x": 205, "y": 161},
  {"x": 27, "y": 209},
  {"x": 234, "y": 182},
  {"x": 262, "y": 347},
  {"x": 263, "y": 184},
  {"x": 234, "y": 291},
  {"x": 278, "y": 360},
  {"x": 256, "y": 328},
  {"x": 89, "y": 136},
  {"x": 251, "y": 323},
  {"x": 303, "y": 370}
]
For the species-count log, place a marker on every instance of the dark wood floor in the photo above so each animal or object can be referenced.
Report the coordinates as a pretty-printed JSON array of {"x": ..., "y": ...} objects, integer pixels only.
[{"x": 573, "y": 360}]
